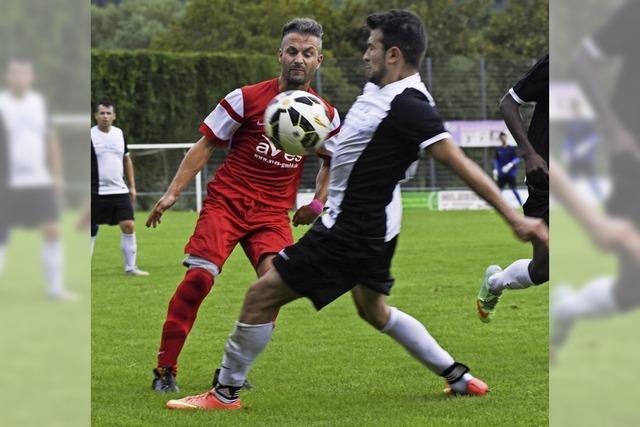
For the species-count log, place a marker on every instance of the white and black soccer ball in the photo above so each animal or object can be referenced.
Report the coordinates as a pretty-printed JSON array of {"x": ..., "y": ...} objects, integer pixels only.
[{"x": 296, "y": 122}]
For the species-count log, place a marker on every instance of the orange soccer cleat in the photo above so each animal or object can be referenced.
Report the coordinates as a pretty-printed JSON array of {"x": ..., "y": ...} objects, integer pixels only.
[
  {"x": 207, "y": 401},
  {"x": 475, "y": 387}
]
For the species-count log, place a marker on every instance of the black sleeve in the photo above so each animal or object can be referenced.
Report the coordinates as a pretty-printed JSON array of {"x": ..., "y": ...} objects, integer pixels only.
[
  {"x": 534, "y": 85},
  {"x": 126, "y": 148},
  {"x": 419, "y": 119},
  {"x": 617, "y": 35}
]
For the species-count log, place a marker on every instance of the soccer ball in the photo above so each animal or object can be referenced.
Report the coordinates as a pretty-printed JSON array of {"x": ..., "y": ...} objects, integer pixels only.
[{"x": 296, "y": 122}]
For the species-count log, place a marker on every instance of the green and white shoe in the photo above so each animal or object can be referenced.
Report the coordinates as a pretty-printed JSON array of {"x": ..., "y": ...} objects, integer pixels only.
[{"x": 486, "y": 301}]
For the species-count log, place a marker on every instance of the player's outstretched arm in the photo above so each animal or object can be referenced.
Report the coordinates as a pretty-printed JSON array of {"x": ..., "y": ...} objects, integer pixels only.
[
  {"x": 526, "y": 229},
  {"x": 192, "y": 163},
  {"x": 510, "y": 110},
  {"x": 615, "y": 234},
  {"x": 308, "y": 213}
]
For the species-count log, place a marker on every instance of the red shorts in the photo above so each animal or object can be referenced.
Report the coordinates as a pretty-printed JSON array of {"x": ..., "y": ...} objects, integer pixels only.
[{"x": 226, "y": 220}]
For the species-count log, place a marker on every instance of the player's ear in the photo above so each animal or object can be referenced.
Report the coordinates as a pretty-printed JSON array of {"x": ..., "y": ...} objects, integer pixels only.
[
  {"x": 393, "y": 54},
  {"x": 320, "y": 58},
  {"x": 280, "y": 55}
]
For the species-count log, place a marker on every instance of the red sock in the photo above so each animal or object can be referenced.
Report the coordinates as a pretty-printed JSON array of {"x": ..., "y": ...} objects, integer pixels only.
[{"x": 183, "y": 309}]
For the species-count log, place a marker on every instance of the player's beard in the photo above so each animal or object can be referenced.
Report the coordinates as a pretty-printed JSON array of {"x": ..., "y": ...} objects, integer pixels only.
[
  {"x": 376, "y": 77},
  {"x": 296, "y": 79}
]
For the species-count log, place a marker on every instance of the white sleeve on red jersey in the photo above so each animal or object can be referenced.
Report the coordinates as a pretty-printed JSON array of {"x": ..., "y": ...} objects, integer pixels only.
[
  {"x": 220, "y": 125},
  {"x": 329, "y": 144}
]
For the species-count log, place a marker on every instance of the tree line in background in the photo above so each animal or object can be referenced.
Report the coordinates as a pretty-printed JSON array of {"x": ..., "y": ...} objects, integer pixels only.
[{"x": 505, "y": 29}]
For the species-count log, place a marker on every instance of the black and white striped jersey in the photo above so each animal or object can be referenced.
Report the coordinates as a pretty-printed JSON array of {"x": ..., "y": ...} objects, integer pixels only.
[{"x": 379, "y": 139}]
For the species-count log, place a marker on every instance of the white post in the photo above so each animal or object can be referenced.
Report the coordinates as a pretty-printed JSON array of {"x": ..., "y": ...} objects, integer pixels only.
[{"x": 199, "y": 192}]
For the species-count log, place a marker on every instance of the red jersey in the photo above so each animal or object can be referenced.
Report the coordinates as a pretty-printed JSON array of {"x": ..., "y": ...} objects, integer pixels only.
[{"x": 254, "y": 166}]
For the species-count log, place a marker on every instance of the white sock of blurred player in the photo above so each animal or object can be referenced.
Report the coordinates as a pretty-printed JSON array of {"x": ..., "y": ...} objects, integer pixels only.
[
  {"x": 52, "y": 261},
  {"x": 593, "y": 300},
  {"x": 129, "y": 250},
  {"x": 515, "y": 276},
  {"x": 92, "y": 245}
]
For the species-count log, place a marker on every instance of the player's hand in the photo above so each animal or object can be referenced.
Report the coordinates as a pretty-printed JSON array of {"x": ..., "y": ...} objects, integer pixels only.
[
  {"x": 133, "y": 194},
  {"x": 531, "y": 230},
  {"x": 305, "y": 215},
  {"x": 619, "y": 235},
  {"x": 495, "y": 174},
  {"x": 162, "y": 205},
  {"x": 534, "y": 162}
]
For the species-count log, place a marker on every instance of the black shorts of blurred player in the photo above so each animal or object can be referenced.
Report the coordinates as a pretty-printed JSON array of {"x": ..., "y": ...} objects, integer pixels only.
[{"x": 29, "y": 208}]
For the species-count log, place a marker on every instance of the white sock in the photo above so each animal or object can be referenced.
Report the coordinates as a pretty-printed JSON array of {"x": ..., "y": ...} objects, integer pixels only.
[
  {"x": 593, "y": 300},
  {"x": 516, "y": 276},
  {"x": 243, "y": 347},
  {"x": 129, "y": 247},
  {"x": 92, "y": 245},
  {"x": 52, "y": 261},
  {"x": 415, "y": 338}
]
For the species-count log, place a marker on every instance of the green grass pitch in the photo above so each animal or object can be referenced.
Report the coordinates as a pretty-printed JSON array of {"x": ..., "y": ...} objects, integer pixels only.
[{"x": 326, "y": 368}]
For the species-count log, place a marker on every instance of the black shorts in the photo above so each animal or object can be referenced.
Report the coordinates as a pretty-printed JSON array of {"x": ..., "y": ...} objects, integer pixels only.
[
  {"x": 537, "y": 204},
  {"x": 30, "y": 207},
  {"x": 111, "y": 209},
  {"x": 506, "y": 180},
  {"x": 326, "y": 263}
]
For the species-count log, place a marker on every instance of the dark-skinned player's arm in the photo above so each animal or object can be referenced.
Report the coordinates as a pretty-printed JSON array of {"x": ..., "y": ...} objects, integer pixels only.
[
  {"x": 510, "y": 109},
  {"x": 308, "y": 213},
  {"x": 612, "y": 234},
  {"x": 193, "y": 162},
  {"x": 526, "y": 229}
]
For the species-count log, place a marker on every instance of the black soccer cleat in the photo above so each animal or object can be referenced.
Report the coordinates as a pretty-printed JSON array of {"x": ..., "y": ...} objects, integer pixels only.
[{"x": 164, "y": 380}]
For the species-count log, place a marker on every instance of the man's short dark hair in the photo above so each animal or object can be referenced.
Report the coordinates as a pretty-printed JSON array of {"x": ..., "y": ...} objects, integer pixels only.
[
  {"x": 502, "y": 133},
  {"x": 105, "y": 103},
  {"x": 402, "y": 29},
  {"x": 303, "y": 26}
]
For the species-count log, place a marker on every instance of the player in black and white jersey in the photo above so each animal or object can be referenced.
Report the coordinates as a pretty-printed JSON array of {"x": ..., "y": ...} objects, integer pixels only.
[
  {"x": 111, "y": 198},
  {"x": 534, "y": 148},
  {"x": 351, "y": 247},
  {"x": 30, "y": 172}
]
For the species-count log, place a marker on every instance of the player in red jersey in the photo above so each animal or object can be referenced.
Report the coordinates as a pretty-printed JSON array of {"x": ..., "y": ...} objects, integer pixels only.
[{"x": 249, "y": 198}]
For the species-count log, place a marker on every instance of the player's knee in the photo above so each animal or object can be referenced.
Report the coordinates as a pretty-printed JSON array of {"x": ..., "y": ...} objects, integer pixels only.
[
  {"x": 375, "y": 316},
  {"x": 127, "y": 227}
]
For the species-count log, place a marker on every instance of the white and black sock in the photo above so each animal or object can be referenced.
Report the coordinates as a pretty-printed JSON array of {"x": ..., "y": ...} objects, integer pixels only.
[
  {"x": 515, "y": 276},
  {"x": 243, "y": 347},
  {"x": 415, "y": 338}
]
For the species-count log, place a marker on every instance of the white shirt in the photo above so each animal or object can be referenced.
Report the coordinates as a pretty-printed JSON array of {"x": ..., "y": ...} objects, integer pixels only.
[
  {"x": 26, "y": 124},
  {"x": 110, "y": 149}
]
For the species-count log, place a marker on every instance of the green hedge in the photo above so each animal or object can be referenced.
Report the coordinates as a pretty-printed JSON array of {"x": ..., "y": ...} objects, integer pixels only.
[{"x": 163, "y": 97}]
